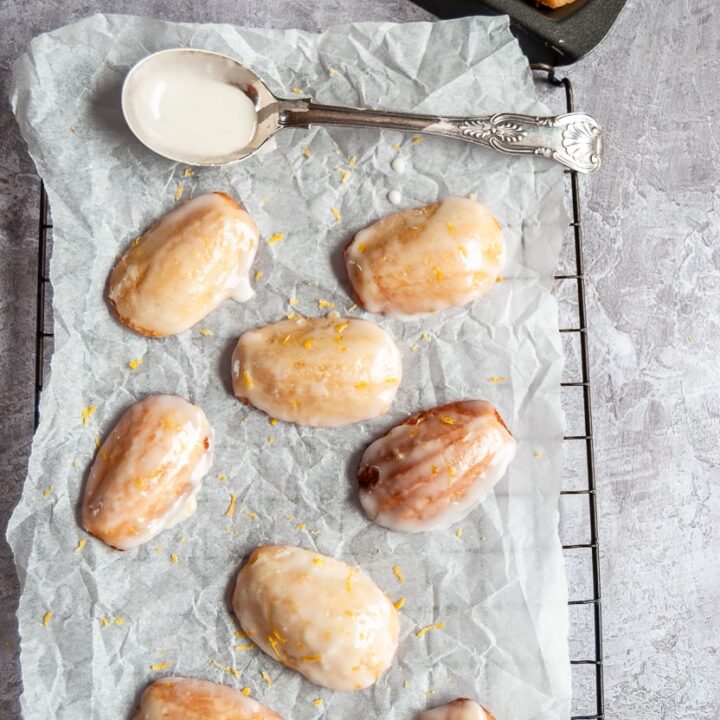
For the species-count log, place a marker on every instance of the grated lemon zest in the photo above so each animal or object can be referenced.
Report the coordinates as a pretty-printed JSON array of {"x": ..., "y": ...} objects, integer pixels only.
[
  {"x": 275, "y": 238},
  {"x": 317, "y": 702},
  {"x": 258, "y": 275},
  {"x": 336, "y": 213},
  {"x": 445, "y": 420},
  {"x": 87, "y": 411},
  {"x": 247, "y": 646},
  {"x": 246, "y": 691},
  {"x": 398, "y": 573},
  {"x": 161, "y": 665},
  {"x": 538, "y": 454},
  {"x": 423, "y": 631},
  {"x": 247, "y": 380},
  {"x": 47, "y": 617},
  {"x": 231, "y": 507},
  {"x": 459, "y": 533},
  {"x": 206, "y": 333},
  {"x": 134, "y": 364},
  {"x": 325, "y": 304},
  {"x": 307, "y": 344},
  {"x": 174, "y": 559},
  {"x": 81, "y": 543},
  {"x": 417, "y": 139},
  {"x": 179, "y": 190},
  {"x": 306, "y": 152},
  {"x": 48, "y": 490},
  {"x": 104, "y": 622},
  {"x": 352, "y": 161},
  {"x": 266, "y": 678},
  {"x": 400, "y": 603},
  {"x": 222, "y": 477},
  {"x": 188, "y": 172},
  {"x": 297, "y": 90},
  {"x": 497, "y": 378}
]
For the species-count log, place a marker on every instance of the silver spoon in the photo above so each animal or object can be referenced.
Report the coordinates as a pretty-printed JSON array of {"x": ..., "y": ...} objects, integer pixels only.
[{"x": 574, "y": 140}]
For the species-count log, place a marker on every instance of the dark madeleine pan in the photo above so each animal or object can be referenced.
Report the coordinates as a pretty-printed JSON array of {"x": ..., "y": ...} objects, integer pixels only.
[{"x": 556, "y": 36}]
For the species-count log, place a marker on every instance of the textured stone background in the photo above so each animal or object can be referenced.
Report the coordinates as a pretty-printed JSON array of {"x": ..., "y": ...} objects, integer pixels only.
[{"x": 653, "y": 260}]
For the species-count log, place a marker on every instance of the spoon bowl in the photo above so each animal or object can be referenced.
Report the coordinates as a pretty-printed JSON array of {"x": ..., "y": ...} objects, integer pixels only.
[{"x": 204, "y": 108}]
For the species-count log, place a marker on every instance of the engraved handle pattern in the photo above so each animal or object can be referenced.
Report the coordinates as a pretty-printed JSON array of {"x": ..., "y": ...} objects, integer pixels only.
[{"x": 574, "y": 140}]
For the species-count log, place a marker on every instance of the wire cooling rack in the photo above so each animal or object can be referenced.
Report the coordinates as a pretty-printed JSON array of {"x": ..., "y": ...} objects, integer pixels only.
[{"x": 578, "y": 501}]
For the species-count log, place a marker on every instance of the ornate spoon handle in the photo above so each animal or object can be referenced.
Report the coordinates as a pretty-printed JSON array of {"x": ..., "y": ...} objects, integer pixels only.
[{"x": 574, "y": 140}]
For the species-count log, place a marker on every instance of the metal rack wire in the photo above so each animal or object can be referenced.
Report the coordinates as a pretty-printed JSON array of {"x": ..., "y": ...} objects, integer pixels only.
[{"x": 594, "y": 661}]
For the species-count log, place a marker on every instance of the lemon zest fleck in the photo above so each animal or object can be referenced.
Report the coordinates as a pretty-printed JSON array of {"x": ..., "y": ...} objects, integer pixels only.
[
  {"x": 119, "y": 620},
  {"x": 307, "y": 344},
  {"x": 174, "y": 559},
  {"x": 48, "y": 490},
  {"x": 243, "y": 648},
  {"x": 317, "y": 702},
  {"x": 538, "y": 454},
  {"x": 395, "y": 147},
  {"x": 497, "y": 378},
  {"x": 206, "y": 333},
  {"x": 81, "y": 543},
  {"x": 222, "y": 477},
  {"x": 306, "y": 152},
  {"x": 275, "y": 238},
  {"x": 179, "y": 190},
  {"x": 247, "y": 380},
  {"x": 240, "y": 634},
  {"x": 445, "y": 420},
  {"x": 135, "y": 364},
  {"x": 231, "y": 507},
  {"x": 318, "y": 561},
  {"x": 398, "y": 573},
  {"x": 266, "y": 678},
  {"x": 47, "y": 617},
  {"x": 87, "y": 411},
  {"x": 161, "y": 665},
  {"x": 459, "y": 533},
  {"x": 188, "y": 172},
  {"x": 104, "y": 622},
  {"x": 417, "y": 139},
  {"x": 423, "y": 631},
  {"x": 352, "y": 161},
  {"x": 425, "y": 336},
  {"x": 345, "y": 175},
  {"x": 310, "y": 658},
  {"x": 336, "y": 213},
  {"x": 246, "y": 691},
  {"x": 325, "y": 304},
  {"x": 400, "y": 603},
  {"x": 297, "y": 90},
  {"x": 258, "y": 275}
]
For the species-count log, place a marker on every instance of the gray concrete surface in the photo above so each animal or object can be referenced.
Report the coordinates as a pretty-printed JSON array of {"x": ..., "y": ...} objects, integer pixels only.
[{"x": 653, "y": 261}]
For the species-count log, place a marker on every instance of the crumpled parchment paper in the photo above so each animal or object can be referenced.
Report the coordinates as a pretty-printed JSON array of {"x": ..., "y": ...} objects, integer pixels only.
[{"x": 496, "y": 580}]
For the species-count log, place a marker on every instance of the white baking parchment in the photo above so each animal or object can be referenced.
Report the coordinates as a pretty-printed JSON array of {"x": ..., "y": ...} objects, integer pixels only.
[{"x": 496, "y": 580}]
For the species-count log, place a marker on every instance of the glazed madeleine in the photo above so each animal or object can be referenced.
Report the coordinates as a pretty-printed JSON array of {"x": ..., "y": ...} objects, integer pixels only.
[
  {"x": 432, "y": 469},
  {"x": 317, "y": 371},
  {"x": 177, "y": 698},
  {"x": 147, "y": 472},
  {"x": 460, "y": 709},
  {"x": 317, "y": 615},
  {"x": 426, "y": 259},
  {"x": 184, "y": 266}
]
